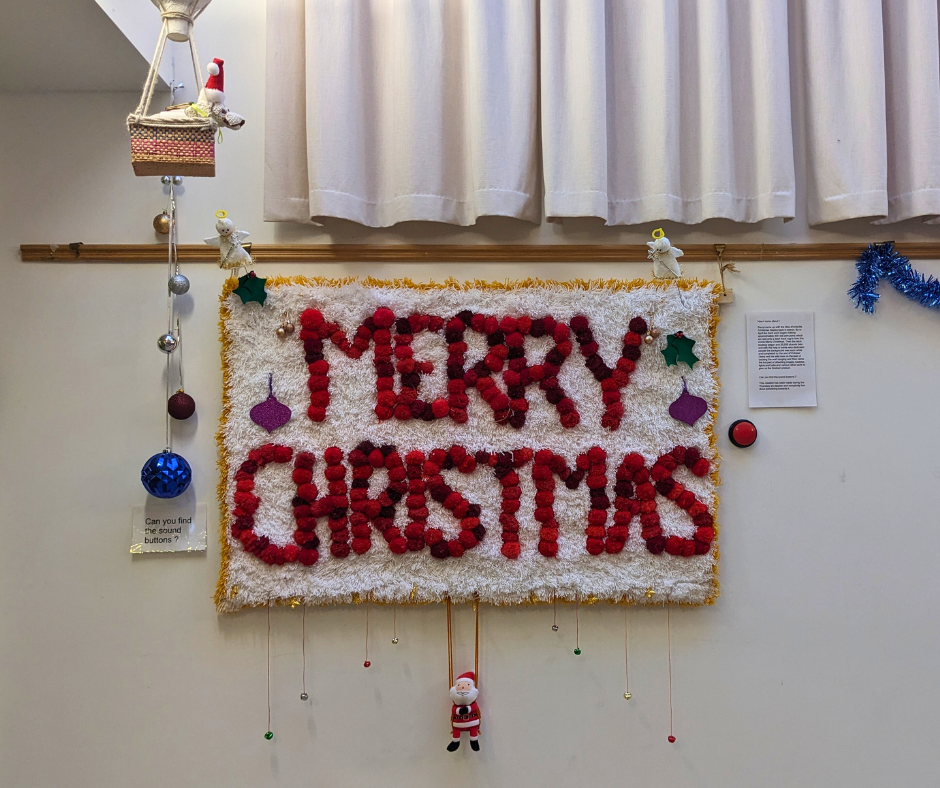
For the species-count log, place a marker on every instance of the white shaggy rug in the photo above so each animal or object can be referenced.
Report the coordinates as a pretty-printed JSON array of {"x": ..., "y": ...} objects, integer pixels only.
[{"x": 461, "y": 477}]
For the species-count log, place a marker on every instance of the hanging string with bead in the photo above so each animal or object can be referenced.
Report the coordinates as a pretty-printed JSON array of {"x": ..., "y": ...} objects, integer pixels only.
[
  {"x": 367, "y": 664},
  {"x": 626, "y": 658},
  {"x": 270, "y": 734},
  {"x": 577, "y": 624},
  {"x": 303, "y": 654},
  {"x": 394, "y": 625},
  {"x": 671, "y": 738},
  {"x": 554, "y": 612}
]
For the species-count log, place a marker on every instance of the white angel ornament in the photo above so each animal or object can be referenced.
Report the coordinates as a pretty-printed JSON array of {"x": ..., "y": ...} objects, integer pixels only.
[
  {"x": 229, "y": 243},
  {"x": 664, "y": 256}
]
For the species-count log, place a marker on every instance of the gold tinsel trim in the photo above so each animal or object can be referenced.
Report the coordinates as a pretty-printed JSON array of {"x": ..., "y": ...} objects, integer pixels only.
[{"x": 221, "y": 594}]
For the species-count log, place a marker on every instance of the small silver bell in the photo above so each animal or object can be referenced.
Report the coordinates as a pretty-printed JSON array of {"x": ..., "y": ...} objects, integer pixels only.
[
  {"x": 167, "y": 343},
  {"x": 178, "y": 284},
  {"x": 304, "y": 696},
  {"x": 281, "y": 332},
  {"x": 166, "y": 180},
  {"x": 394, "y": 641}
]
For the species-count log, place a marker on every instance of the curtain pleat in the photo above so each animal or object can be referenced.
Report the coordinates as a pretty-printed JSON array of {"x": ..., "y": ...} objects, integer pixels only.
[
  {"x": 666, "y": 109},
  {"x": 414, "y": 110}
]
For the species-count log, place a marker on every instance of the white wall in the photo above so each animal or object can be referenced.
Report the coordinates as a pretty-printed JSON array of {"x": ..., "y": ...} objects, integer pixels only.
[{"x": 816, "y": 667}]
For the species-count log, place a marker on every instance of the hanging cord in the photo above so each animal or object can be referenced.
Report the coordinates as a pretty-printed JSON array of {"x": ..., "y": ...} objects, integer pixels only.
[
  {"x": 395, "y": 624},
  {"x": 476, "y": 644},
  {"x": 179, "y": 353},
  {"x": 554, "y": 613},
  {"x": 476, "y": 641},
  {"x": 153, "y": 75},
  {"x": 450, "y": 648},
  {"x": 269, "y": 734},
  {"x": 626, "y": 658},
  {"x": 303, "y": 654},
  {"x": 367, "y": 663},
  {"x": 577, "y": 623},
  {"x": 672, "y": 738}
]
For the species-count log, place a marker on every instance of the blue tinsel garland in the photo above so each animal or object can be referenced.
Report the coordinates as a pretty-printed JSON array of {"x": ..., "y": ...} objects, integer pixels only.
[{"x": 880, "y": 261}]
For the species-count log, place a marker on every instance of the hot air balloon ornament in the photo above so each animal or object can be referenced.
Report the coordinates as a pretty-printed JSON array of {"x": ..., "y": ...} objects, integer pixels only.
[{"x": 181, "y": 139}]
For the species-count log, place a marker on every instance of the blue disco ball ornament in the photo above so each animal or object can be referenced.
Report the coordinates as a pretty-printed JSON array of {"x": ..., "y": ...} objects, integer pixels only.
[{"x": 166, "y": 475}]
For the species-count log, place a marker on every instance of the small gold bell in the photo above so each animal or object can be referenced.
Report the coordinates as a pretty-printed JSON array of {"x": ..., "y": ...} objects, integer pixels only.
[
  {"x": 281, "y": 332},
  {"x": 161, "y": 223},
  {"x": 627, "y": 695}
]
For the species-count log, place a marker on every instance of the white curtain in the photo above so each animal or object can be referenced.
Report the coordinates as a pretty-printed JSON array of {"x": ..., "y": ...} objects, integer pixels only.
[
  {"x": 383, "y": 111},
  {"x": 872, "y": 71},
  {"x": 666, "y": 109}
]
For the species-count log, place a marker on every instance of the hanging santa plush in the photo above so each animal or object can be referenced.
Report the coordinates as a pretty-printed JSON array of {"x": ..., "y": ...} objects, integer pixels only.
[{"x": 465, "y": 713}]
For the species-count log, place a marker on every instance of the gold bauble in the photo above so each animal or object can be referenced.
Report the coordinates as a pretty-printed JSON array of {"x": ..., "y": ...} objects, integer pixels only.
[
  {"x": 627, "y": 695},
  {"x": 281, "y": 332},
  {"x": 648, "y": 339},
  {"x": 161, "y": 223},
  {"x": 655, "y": 333}
]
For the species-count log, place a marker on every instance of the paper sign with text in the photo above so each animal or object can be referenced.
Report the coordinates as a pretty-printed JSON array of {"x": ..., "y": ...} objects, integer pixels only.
[
  {"x": 781, "y": 360},
  {"x": 169, "y": 528}
]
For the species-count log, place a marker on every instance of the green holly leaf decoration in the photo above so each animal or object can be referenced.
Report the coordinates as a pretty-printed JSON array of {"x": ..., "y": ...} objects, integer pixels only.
[
  {"x": 251, "y": 288},
  {"x": 679, "y": 348}
]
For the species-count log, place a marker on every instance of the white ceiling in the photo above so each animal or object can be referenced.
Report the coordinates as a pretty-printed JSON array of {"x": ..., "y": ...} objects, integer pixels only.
[{"x": 68, "y": 45}]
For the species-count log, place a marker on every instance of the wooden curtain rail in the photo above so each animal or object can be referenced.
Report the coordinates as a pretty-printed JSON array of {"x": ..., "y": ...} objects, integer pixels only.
[{"x": 444, "y": 253}]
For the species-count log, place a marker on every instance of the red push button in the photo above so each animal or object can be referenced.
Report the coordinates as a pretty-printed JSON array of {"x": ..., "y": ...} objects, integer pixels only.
[{"x": 742, "y": 433}]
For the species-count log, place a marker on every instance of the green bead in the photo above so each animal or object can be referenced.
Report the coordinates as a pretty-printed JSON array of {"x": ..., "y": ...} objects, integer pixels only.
[
  {"x": 269, "y": 735},
  {"x": 577, "y": 651}
]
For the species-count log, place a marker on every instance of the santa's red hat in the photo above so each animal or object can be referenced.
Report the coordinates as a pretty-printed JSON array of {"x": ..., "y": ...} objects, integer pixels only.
[
  {"x": 216, "y": 79},
  {"x": 469, "y": 675}
]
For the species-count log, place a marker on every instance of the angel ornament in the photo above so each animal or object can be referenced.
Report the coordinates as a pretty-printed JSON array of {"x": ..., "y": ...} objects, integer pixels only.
[
  {"x": 664, "y": 256},
  {"x": 229, "y": 243}
]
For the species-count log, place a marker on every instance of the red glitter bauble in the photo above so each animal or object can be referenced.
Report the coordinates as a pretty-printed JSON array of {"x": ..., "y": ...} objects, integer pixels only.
[
  {"x": 181, "y": 406},
  {"x": 366, "y": 664},
  {"x": 672, "y": 739}
]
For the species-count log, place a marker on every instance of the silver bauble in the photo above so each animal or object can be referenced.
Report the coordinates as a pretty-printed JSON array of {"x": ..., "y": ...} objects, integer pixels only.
[
  {"x": 177, "y": 180},
  {"x": 178, "y": 284},
  {"x": 303, "y": 696},
  {"x": 167, "y": 343},
  {"x": 165, "y": 180}
]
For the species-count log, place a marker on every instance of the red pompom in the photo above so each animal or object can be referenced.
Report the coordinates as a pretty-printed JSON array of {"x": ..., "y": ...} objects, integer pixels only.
[
  {"x": 548, "y": 549},
  {"x": 291, "y": 551},
  {"x": 511, "y": 550},
  {"x": 308, "y": 557},
  {"x": 283, "y": 453},
  {"x": 440, "y": 408},
  {"x": 701, "y": 467},
  {"x": 311, "y": 318},
  {"x": 384, "y": 317},
  {"x": 333, "y": 455},
  {"x": 455, "y": 547}
]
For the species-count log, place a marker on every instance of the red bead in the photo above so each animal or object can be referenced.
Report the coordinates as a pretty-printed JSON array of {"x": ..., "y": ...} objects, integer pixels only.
[
  {"x": 672, "y": 739},
  {"x": 742, "y": 433},
  {"x": 366, "y": 664}
]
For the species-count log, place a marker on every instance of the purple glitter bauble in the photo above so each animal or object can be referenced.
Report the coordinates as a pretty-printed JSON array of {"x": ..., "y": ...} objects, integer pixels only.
[{"x": 181, "y": 406}]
